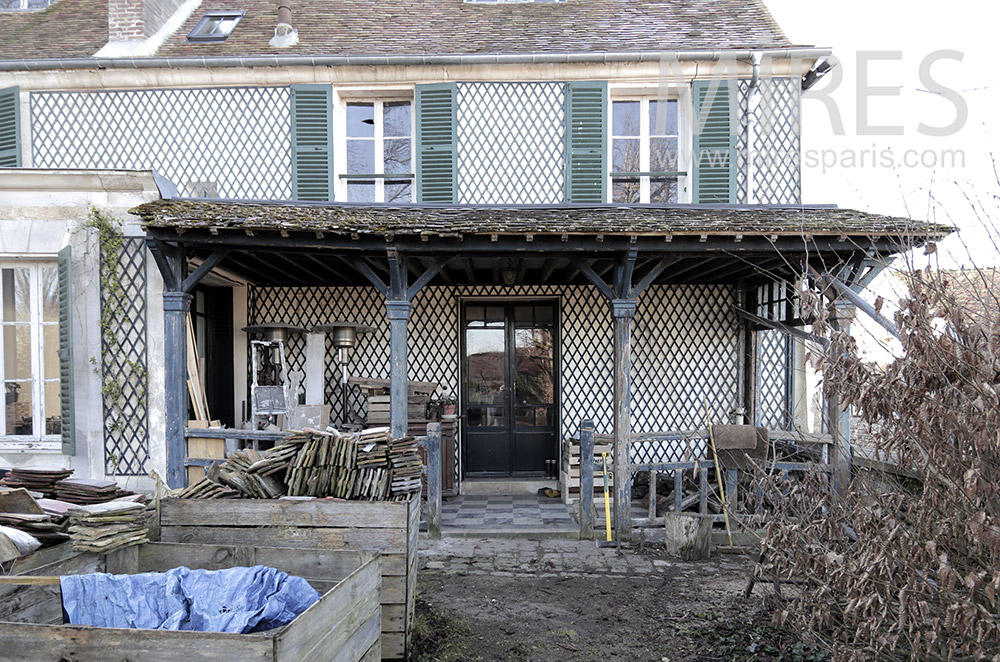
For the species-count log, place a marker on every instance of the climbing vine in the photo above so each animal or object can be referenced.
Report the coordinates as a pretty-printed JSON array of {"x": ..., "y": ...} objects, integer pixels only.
[{"x": 123, "y": 374}]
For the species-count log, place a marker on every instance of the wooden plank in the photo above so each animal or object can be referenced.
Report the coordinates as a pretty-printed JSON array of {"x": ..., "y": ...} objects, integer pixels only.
[
  {"x": 123, "y": 561},
  {"x": 31, "y": 604},
  {"x": 338, "y": 614},
  {"x": 393, "y": 618},
  {"x": 298, "y": 537},
  {"x": 394, "y": 646},
  {"x": 30, "y": 580},
  {"x": 364, "y": 638},
  {"x": 320, "y": 564},
  {"x": 374, "y": 653},
  {"x": 44, "y": 556},
  {"x": 47, "y": 643},
  {"x": 278, "y": 512},
  {"x": 394, "y": 590}
]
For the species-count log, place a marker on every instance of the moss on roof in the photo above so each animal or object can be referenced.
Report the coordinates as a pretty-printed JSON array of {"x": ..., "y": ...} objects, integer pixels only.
[{"x": 350, "y": 219}]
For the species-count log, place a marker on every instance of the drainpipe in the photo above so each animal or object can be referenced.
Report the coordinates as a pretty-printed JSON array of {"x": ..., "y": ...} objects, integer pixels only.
[
  {"x": 753, "y": 101},
  {"x": 285, "y": 36}
]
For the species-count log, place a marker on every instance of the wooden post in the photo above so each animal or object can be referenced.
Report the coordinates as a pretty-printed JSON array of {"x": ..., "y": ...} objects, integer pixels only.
[
  {"x": 586, "y": 480},
  {"x": 841, "y": 455},
  {"x": 175, "y": 311},
  {"x": 434, "y": 480},
  {"x": 398, "y": 313},
  {"x": 623, "y": 311}
]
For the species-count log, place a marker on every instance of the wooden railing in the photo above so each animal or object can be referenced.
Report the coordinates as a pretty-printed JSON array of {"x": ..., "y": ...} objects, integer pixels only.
[{"x": 701, "y": 466}]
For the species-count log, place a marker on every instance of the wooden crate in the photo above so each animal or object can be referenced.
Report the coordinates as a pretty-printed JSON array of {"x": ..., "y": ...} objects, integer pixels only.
[
  {"x": 569, "y": 474},
  {"x": 343, "y": 625},
  {"x": 389, "y": 528}
]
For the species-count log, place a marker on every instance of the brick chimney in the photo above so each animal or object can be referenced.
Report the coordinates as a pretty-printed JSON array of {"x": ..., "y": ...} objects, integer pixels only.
[
  {"x": 135, "y": 20},
  {"x": 126, "y": 21}
]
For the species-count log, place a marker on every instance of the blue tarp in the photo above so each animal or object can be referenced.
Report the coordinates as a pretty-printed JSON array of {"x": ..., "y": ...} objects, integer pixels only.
[{"x": 237, "y": 600}]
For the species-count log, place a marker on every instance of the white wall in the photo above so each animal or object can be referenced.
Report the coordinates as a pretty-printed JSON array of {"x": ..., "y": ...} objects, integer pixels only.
[{"x": 41, "y": 211}]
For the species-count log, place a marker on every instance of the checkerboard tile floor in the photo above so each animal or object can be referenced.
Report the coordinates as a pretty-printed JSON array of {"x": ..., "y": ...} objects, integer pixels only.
[{"x": 512, "y": 511}]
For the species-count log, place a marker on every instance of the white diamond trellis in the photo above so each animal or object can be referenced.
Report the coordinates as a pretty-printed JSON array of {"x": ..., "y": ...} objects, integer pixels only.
[
  {"x": 686, "y": 350},
  {"x": 232, "y": 142},
  {"x": 773, "y": 380},
  {"x": 124, "y": 375},
  {"x": 777, "y": 147},
  {"x": 510, "y": 143}
]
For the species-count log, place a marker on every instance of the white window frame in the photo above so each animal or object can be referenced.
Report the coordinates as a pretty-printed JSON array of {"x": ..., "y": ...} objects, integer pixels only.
[
  {"x": 684, "y": 137},
  {"x": 38, "y": 439},
  {"x": 340, "y": 146}
]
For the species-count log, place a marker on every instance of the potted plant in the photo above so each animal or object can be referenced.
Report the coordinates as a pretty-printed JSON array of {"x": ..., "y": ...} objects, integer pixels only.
[{"x": 449, "y": 406}]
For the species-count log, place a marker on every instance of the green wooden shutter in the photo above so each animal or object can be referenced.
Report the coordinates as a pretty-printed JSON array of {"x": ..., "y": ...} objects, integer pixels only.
[
  {"x": 312, "y": 142},
  {"x": 714, "y": 145},
  {"x": 10, "y": 128},
  {"x": 586, "y": 142},
  {"x": 437, "y": 177},
  {"x": 65, "y": 269}
]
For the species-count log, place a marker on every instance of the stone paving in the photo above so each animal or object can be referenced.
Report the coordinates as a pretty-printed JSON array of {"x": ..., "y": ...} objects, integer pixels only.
[{"x": 559, "y": 558}]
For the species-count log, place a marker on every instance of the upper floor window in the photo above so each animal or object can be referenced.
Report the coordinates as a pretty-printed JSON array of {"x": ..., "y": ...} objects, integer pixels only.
[
  {"x": 644, "y": 150},
  {"x": 379, "y": 151},
  {"x": 29, "y": 351}
]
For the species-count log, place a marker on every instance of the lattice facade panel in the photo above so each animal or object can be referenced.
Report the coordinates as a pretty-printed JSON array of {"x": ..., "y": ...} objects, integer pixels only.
[
  {"x": 777, "y": 147},
  {"x": 124, "y": 359},
  {"x": 685, "y": 349},
  {"x": 510, "y": 143},
  {"x": 685, "y": 354},
  {"x": 211, "y": 142},
  {"x": 773, "y": 380}
]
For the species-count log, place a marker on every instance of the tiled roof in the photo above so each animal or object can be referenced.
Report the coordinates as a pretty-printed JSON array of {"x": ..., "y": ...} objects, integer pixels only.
[
  {"x": 68, "y": 28},
  {"x": 561, "y": 219},
  {"x": 425, "y": 27},
  {"x": 79, "y": 28}
]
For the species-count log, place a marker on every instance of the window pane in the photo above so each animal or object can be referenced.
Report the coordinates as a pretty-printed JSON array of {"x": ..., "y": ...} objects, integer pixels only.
[
  {"x": 663, "y": 190},
  {"x": 625, "y": 190},
  {"x": 625, "y": 118},
  {"x": 361, "y": 191},
  {"x": 18, "y": 399},
  {"x": 534, "y": 356},
  {"x": 486, "y": 380},
  {"x": 486, "y": 417},
  {"x": 50, "y": 351},
  {"x": 396, "y": 120},
  {"x": 663, "y": 154},
  {"x": 663, "y": 118},
  {"x": 397, "y": 156},
  {"x": 360, "y": 120},
  {"x": 17, "y": 352},
  {"x": 361, "y": 157},
  {"x": 50, "y": 293},
  {"x": 625, "y": 155},
  {"x": 52, "y": 410},
  {"x": 398, "y": 192},
  {"x": 16, "y": 285}
]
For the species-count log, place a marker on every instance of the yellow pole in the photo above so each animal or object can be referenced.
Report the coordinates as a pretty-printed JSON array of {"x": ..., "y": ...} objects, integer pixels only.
[{"x": 607, "y": 499}]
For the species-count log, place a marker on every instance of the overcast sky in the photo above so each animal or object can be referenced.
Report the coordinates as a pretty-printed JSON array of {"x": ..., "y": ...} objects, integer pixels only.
[{"x": 950, "y": 178}]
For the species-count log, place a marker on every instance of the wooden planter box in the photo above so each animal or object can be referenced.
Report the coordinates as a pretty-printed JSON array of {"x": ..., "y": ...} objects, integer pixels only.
[
  {"x": 389, "y": 528},
  {"x": 342, "y": 626}
]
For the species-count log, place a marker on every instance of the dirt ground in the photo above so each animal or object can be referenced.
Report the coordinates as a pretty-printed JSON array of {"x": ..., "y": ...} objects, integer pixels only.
[{"x": 693, "y": 611}]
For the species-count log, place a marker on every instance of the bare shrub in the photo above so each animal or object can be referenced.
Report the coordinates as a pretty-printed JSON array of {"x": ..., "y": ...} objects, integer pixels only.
[{"x": 906, "y": 565}]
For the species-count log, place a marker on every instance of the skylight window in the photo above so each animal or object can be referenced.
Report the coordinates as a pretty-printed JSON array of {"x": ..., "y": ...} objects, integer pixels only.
[{"x": 215, "y": 26}]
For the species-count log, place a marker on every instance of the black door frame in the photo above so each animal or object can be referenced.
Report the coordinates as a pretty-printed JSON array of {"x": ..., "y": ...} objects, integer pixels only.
[{"x": 555, "y": 300}]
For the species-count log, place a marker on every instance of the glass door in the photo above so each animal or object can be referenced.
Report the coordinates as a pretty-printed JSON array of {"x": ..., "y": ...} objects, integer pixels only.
[{"x": 509, "y": 387}]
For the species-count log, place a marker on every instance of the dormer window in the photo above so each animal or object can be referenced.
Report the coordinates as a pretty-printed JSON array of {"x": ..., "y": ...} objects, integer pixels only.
[{"x": 215, "y": 26}]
